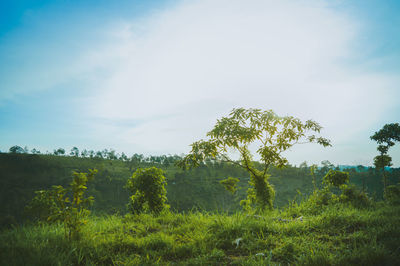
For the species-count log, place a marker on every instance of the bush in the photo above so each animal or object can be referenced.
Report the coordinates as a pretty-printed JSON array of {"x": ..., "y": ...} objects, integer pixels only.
[
  {"x": 336, "y": 178},
  {"x": 354, "y": 196},
  {"x": 392, "y": 194},
  {"x": 319, "y": 198},
  {"x": 148, "y": 189}
]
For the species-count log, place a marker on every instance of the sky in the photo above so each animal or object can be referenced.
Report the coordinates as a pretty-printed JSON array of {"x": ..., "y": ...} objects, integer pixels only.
[{"x": 152, "y": 77}]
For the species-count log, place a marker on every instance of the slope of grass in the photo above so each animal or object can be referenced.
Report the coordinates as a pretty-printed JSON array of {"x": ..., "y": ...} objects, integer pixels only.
[
  {"x": 334, "y": 235},
  {"x": 23, "y": 174}
]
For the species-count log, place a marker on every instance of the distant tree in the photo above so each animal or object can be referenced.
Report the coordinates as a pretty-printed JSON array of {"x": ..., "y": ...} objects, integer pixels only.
[
  {"x": 336, "y": 178},
  {"x": 35, "y": 151},
  {"x": 59, "y": 151},
  {"x": 123, "y": 157},
  {"x": 134, "y": 161},
  {"x": 74, "y": 152},
  {"x": 386, "y": 138},
  {"x": 84, "y": 153},
  {"x": 166, "y": 160},
  {"x": 360, "y": 169},
  {"x": 99, "y": 154},
  {"x": 104, "y": 153},
  {"x": 303, "y": 165},
  {"x": 243, "y": 127},
  {"x": 16, "y": 149},
  {"x": 326, "y": 166},
  {"x": 112, "y": 155}
]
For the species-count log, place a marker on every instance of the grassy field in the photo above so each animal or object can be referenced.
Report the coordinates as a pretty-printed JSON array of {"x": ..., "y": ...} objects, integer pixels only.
[
  {"x": 305, "y": 234},
  {"x": 316, "y": 228},
  {"x": 23, "y": 174}
]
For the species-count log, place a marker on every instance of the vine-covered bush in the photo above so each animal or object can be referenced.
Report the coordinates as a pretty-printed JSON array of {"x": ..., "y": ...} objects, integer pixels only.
[{"x": 147, "y": 186}]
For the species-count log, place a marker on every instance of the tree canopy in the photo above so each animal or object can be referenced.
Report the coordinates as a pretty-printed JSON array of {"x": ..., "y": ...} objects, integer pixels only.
[
  {"x": 274, "y": 134},
  {"x": 386, "y": 138}
]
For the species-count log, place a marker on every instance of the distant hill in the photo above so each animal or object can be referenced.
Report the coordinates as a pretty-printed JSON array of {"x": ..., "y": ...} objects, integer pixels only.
[{"x": 23, "y": 174}]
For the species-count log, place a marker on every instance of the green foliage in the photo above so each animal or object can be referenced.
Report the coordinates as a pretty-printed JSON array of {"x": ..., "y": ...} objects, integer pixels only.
[
  {"x": 42, "y": 205},
  {"x": 230, "y": 184},
  {"x": 318, "y": 199},
  {"x": 148, "y": 190},
  {"x": 336, "y": 178},
  {"x": 337, "y": 235},
  {"x": 389, "y": 134},
  {"x": 386, "y": 138},
  {"x": 16, "y": 149},
  {"x": 273, "y": 134},
  {"x": 261, "y": 198},
  {"x": 392, "y": 194},
  {"x": 381, "y": 161},
  {"x": 55, "y": 205},
  {"x": 351, "y": 194},
  {"x": 23, "y": 174}
]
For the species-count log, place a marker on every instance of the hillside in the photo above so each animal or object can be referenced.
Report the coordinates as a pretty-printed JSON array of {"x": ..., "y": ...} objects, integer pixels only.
[{"x": 23, "y": 174}]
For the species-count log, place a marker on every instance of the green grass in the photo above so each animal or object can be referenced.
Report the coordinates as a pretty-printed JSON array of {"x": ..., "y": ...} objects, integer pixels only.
[{"x": 337, "y": 234}]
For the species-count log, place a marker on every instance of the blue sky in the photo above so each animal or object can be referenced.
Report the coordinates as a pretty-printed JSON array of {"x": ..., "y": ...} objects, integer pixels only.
[{"x": 153, "y": 76}]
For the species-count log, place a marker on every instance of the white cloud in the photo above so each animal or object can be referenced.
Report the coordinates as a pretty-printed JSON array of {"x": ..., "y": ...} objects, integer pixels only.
[{"x": 180, "y": 69}]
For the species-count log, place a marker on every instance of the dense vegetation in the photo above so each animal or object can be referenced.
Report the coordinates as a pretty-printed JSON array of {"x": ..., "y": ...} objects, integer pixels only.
[
  {"x": 300, "y": 231},
  {"x": 334, "y": 234},
  {"x": 147, "y": 211},
  {"x": 23, "y": 174}
]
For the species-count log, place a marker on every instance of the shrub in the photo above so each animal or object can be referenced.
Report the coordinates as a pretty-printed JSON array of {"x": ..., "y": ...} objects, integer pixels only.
[
  {"x": 321, "y": 197},
  {"x": 55, "y": 204},
  {"x": 354, "y": 196},
  {"x": 336, "y": 178},
  {"x": 392, "y": 194},
  {"x": 148, "y": 190}
]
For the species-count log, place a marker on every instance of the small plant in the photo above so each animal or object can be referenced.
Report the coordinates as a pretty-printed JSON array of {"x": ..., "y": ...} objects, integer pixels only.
[
  {"x": 55, "y": 204},
  {"x": 148, "y": 190}
]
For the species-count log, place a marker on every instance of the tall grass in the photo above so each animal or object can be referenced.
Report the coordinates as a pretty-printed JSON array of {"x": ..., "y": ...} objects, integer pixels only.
[{"x": 337, "y": 234}]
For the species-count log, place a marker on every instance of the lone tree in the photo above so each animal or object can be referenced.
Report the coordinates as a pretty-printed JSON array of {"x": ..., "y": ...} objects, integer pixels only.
[
  {"x": 16, "y": 149},
  {"x": 273, "y": 134},
  {"x": 386, "y": 138}
]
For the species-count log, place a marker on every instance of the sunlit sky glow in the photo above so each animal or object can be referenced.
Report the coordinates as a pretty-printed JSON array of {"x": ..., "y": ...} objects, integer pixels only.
[{"x": 151, "y": 77}]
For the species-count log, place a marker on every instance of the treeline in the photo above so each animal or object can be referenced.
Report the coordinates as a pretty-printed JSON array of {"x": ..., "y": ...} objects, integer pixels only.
[
  {"x": 109, "y": 154},
  {"x": 23, "y": 173}
]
